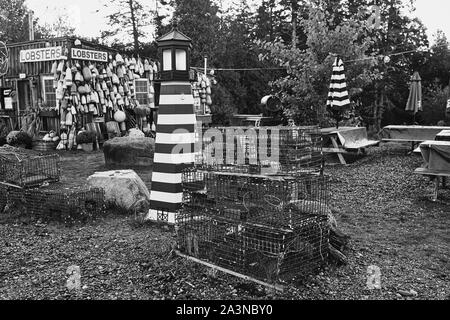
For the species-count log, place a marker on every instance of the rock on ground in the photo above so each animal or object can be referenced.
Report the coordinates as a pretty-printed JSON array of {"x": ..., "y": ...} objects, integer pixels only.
[
  {"x": 128, "y": 152},
  {"x": 123, "y": 188}
]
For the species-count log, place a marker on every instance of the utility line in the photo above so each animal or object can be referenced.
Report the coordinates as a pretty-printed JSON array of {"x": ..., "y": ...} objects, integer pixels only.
[
  {"x": 238, "y": 69},
  {"x": 353, "y": 60},
  {"x": 396, "y": 53}
]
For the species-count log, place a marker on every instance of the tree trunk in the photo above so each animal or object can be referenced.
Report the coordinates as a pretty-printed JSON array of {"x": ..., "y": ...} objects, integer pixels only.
[
  {"x": 294, "y": 23},
  {"x": 271, "y": 21},
  {"x": 135, "y": 30},
  {"x": 378, "y": 109}
]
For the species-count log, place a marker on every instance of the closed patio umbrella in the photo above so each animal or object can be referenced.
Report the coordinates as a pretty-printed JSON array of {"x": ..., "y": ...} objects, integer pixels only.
[
  {"x": 338, "y": 99},
  {"x": 414, "y": 103}
]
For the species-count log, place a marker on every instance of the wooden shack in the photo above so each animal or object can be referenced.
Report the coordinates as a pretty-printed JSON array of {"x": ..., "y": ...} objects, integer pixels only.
[
  {"x": 28, "y": 83},
  {"x": 29, "y": 88}
]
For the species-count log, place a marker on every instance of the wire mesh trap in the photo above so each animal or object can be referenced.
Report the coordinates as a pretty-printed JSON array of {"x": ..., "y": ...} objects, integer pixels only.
[
  {"x": 270, "y": 228},
  {"x": 261, "y": 150},
  {"x": 27, "y": 168},
  {"x": 53, "y": 202}
]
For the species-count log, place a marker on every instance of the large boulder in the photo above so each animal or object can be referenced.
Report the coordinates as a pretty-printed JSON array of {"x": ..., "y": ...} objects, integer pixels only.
[
  {"x": 128, "y": 152},
  {"x": 123, "y": 188}
]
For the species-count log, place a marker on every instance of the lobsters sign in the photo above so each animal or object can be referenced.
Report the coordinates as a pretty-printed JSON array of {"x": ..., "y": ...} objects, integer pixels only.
[
  {"x": 41, "y": 54},
  {"x": 56, "y": 53},
  {"x": 83, "y": 54}
]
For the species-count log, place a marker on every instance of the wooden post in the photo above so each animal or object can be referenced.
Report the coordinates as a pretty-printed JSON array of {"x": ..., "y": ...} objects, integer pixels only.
[
  {"x": 436, "y": 188},
  {"x": 335, "y": 145},
  {"x": 236, "y": 274},
  {"x": 30, "y": 25}
]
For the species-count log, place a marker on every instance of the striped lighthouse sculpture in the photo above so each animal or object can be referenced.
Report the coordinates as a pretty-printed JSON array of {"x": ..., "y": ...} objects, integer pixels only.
[{"x": 175, "y": 136}]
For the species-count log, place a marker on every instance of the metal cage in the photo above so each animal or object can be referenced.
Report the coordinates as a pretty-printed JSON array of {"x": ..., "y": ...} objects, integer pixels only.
[
  {"x": 54, "y": 202},
  {"x": 260, "y": 150},
  {"x": 28, "y": 168},
  {"x": 271, "y": 228}
]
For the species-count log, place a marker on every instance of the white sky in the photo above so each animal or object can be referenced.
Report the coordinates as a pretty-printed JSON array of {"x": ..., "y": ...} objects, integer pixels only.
[
  {"x": 88, "y": 16},
  {"x": 435, "y": 14}
]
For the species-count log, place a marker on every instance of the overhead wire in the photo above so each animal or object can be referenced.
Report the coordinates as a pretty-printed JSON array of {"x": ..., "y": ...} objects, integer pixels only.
[{"x": 346, "y": 61}]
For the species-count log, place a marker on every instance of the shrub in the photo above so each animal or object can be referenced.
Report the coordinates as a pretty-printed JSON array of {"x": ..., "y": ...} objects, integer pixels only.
[
  {"x": 85, "y": 137},
  {"x": 222, "y": 109},
  {"x": 434, "y": 104},
  {"x": 19, "y": 138}
]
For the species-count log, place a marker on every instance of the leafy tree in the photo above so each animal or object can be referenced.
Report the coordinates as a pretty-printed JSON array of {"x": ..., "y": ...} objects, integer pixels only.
[
  {"x": 436, "y": 68},
  {"x": 304, "y": 89},
  {"x": 59, "y": 28},
  {"x": 131, "y": 16},
  {"x": 377, "y": 87},
  {"x": 434, "y": 101},
  {"x": 397, "y": 33},
  {"x": 279, "y": 18},
  {"x": 237, "y": 51},
  {"x": 198, "y": 19},
  {"x": 226, "y": 38},
  {"x": 13, "y": 21},
  {"x": 223, "y": 107},
  {"x": 14, "y": 25}
]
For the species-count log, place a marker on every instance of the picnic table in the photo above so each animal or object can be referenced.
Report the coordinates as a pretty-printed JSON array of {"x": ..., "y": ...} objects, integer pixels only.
[
  {"x": 248, "y": 119},
  {"x": 346, "y": 140},
  {"x": 444, "y": 135},
  {"x": 412, "y": 134},
  {"x": 436, "y": 156}
]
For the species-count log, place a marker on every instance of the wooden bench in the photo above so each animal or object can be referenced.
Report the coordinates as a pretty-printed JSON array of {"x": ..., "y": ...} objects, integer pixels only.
[
  {"x": 436, "y": 175},
  {"x": 414, "y": 143}
]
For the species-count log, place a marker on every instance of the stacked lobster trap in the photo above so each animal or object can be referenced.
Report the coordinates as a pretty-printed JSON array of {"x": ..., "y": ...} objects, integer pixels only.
[
  {"x": 261, "y": 150},
  {"x": 29, "y": 185},
  {"x": 268, "y": 224}
]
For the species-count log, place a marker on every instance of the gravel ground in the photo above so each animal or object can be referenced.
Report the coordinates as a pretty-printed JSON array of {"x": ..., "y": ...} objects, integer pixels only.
[{"x": 377, "y": 200}]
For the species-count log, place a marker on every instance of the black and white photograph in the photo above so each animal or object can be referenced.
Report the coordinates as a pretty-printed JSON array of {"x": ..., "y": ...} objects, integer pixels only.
[{"x": 224, "y": 156}]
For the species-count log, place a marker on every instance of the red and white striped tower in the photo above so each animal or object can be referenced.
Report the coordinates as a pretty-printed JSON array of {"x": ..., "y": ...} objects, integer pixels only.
[{"x": 175, "y": 136}]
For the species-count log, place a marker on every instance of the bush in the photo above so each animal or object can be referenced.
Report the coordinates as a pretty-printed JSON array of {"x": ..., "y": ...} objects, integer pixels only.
[
  {"x": 19, "y": 139},
  {"x": 222, "y": 109},
  {"x": 434, "y": 104},
  {"x": 85, "y": 137}
]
